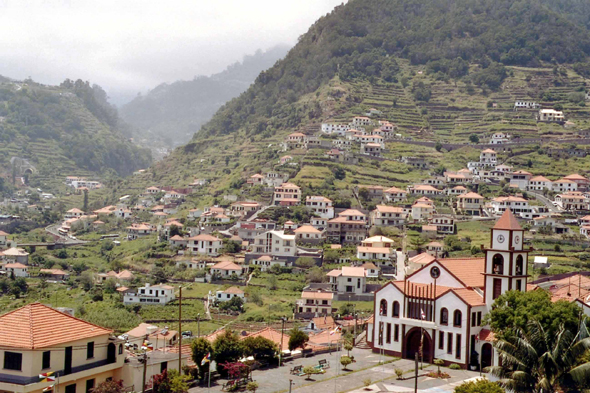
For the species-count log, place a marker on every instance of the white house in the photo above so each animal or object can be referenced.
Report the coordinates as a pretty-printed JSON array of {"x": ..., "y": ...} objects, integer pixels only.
[
  {"x": 518, "y": 205},
  {"x": 470, "y": 203},
  {"x": 376, "y": 248},
  {"x": 315, "y": 302},
  {"x": 205, "y": 244},
  {"x": 229, "y": 294},
  {"x": 564, "y": 185},
  {"x": 519, "y": 104},
  {"x": 18, "y": 269},
  {"x": 384, "y": 215},
  {"x": 276, "y": 243},
  {"x": 422, "y": 211},
  {"x": 520, "y": 179},
  {"x": 550, "y": 115},
  {"x": 348, "y": 280},
  {"x": 320, "y": 205},
  {"x": 539, "y": 183},
  {"x": 499, "y": 138},
  {"x": 395, "y": 194},
  {"x": 287, "y": 194},
  {"x": 150, "y": 294},
  {"x": 225, "y": 269}
]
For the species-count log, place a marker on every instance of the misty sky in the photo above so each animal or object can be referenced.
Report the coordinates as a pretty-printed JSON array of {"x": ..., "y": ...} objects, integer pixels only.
[{"x": 128, "y": 46}]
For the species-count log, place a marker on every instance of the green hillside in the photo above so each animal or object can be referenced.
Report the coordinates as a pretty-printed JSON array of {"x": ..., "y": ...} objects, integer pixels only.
[
  {"x": 65, "y": 130},
  {"x": 440, "y": 72}
]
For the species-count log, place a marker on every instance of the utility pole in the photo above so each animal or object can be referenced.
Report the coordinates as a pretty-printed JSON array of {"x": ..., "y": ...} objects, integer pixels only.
[
  {"x": 198, "y": 325},
  {"x": 144, "y": 367},
  {"x": 180, "y": 330},
  {"x": 290, "y": 384},
  {"x": 416, "y": 372},
  {"x": 281, "y": 346}
]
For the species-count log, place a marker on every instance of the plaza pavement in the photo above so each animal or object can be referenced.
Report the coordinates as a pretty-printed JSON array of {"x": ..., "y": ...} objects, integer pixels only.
[{"x": 383, "y": 377}]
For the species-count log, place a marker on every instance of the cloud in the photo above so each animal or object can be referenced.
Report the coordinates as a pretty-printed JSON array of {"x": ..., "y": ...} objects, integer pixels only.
[{"x": 128, "y": 46}]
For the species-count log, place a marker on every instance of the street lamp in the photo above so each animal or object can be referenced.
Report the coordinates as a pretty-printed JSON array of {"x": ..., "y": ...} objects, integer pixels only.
[
  {"x": 198, "y": 325},
  {"x": 281, "y": 346}
]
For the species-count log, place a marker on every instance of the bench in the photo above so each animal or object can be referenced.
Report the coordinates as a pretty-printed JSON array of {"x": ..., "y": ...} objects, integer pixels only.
[
  {"x": 297, "y": 370},
  {"x": 323, "y": 363}
]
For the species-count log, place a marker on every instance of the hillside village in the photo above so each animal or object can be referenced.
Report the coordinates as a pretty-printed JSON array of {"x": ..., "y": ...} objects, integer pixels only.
[{"x": 400, "y": 203}]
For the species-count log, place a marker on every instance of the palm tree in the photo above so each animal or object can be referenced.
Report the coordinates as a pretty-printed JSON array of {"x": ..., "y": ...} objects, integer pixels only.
[{"x": 534, "y": 361}]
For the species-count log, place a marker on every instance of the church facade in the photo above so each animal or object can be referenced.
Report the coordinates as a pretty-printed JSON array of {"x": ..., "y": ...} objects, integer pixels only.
[{"x": 440, "y": 308}]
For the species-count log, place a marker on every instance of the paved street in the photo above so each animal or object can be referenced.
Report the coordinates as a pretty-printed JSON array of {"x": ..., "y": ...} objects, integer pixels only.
[{"x": 383, "y": 378}]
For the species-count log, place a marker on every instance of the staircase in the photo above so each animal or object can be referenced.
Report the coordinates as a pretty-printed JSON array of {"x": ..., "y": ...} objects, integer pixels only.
[{"x": 361, "y": 341}]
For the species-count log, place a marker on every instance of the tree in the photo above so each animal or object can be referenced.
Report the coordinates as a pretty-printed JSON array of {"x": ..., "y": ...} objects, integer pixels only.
[
  {"x": 297, "y": 339},
  {"x": 305, "y": 262},
  {"x": 273, "y": 282},
  {"x": 315, "y": 274},
  {"x": 537, "y": 360},
  {"x": 85, "y": 206},
  {"x": 111, "y": 386},
  {"x": 514, "y": 309},
  {"x": 348, "y": 346},
  {"x": 227, "y": 348},
  {"x": 234, "y": 304},
  {"x": 79, "y": 267},
  {"x": 438, "y": 146},
  {"x": 308, "y": 371},
  {"x": 479, "y": 386},
  {"x": 259, "y": 347},
  {"x": 473, "y": 138},
  {"x": 200, "y": 348},
  {"x": 417, "y": 242},
  {"x": 110, "y": 285},
  {"x": 345, "y": 361},
  {"x": 177, "y": 382},
  {"x": 231, "y": 246},
  {"x": 174, "y": 230}
]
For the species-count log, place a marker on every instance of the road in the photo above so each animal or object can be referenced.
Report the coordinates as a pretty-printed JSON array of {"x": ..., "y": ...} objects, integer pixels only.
[
  {"x": 547, "y": 202},
  {"x": 53, "y": 230}
]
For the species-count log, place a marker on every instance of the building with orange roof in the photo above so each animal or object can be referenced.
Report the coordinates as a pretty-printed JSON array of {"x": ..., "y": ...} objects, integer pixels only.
[
  {"x": 15, "y": 269},
  {"x": 228, "y": 294},
  {"x": 422, "y": 211},
  {"x": 320, "y": 205},
  {"x": 582, "y": 181},
  {"x": 443, "y": 303},
  {"x": 539, "y": 183},
  {"x": 3, "y": 239},
  {"x": 348, "y": 280},
  {"x": 518, "y": 205},
  {"x": 424, "y": 189},
  {"x": 349, "y": 226},
  {"x": 287, "y": 194},
  {"x": 470, "y": 203},
  {"x": 308, "y": 234},
  {"x": 158, "y": 337},
  {"x": 37, "y": 338},
  {"x": 395, "y": 194},
  {"x": 385, "y": 215},
  {"x": 225, "y": 269},
  {"x": 572, "y": 201},
  {"x": 564, "y": 185},
  {"x": 205, "y": 244},
  {"x": 314, "y": 303},
  {"x": 520, "y": 179},
  {"x": 136, "y": 231}
]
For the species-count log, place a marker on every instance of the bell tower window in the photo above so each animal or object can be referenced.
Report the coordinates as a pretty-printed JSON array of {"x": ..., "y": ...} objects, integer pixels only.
[
  {"x": 519, "y": 271},
  {"x": 498, "y": 264}
]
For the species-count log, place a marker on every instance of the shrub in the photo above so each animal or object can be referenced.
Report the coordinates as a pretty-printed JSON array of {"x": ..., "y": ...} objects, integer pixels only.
[
  {"x": 345, "y": 361},
  {"x": 399, "y": 372},
  {"x": 455, "y": 366}
]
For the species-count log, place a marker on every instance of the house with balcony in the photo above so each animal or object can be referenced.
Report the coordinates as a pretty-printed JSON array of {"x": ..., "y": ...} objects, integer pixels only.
[
  {"x": 572, "y": 201},
  {"x": 378, "y": 249},
  {"x": 424, "y": 189},
  {"x": 539, "y": 183},
  {"x": 226, "y": 269},
  {"x": 444, "y": 224},
  {"x": 395, "y": 194},
  {"x": 150, "y": 294},
  {"x": 350, "y": 226},
  {"x": 137, "y": 231},
  {"x": 248, "y": 230},
  {"x": 307, "y": 233},
  {"x": 15, "y": 269},
  {"x": 287, "y": 194},
  {"x": 320, "y": 206},
  {"x": 564, "y": 185},
  {"x": 38, "y": 339},
  {"x": 228, "y": 294},
  {"x": 371, "y": 149},
  {"x": 470, "y": 203},
  {"x": 581, "y": 181},
  {"x": 275, "y": 243},
  {"x": 314, "y": 303},
  {"x": 550, "y": 116},
  {"x": 518, "y": 205},
  {"x": 384, "y": 215},
  {"x": 422, "y": 211}
]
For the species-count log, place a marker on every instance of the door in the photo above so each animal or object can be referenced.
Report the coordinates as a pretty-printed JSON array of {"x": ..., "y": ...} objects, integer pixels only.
[
  {"x": 497, "y": 290},
  {"x": 486, "y": 355},
  {"x": 111, "y": 353},
  {"x": 414, "y": 339},
  {"x": 68, "y": 361}
]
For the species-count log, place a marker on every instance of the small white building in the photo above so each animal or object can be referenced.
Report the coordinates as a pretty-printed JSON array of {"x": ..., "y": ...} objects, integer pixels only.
[
  {"x": 225, "y": 269},
  {"x": 275, "y": 243},
  {"x": 385, "y": 215},
  {"x": 150, "y": 294},
  {"x": 550, "y": 115},
  {"x": 348, "y": 280},
  {"x": 395, "y": 194},
  {"x": 205, "y": 244},
  {"x": 18, "y": 269},
  {"x": 229, "y": 294},
  {"x": 320, "y": 205}
]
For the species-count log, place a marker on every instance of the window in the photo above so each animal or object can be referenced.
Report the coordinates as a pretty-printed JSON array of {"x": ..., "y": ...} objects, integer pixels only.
[
  {"x": 388, "y": 334},
  {"x": 444, "y": 316},
  {"x": 458, "y": 347},
  {"x": 519, "y": 285},
  {"x": 449, "y": 343},
  {"x": 396, "y": 333},
  {"x": 519, "y": 265},
  {"x": 383, "y": 307},
  {"x": 396, "y": 309},
  {"x": 90, "y": 350},
  {"x": 457, "y": 316},
  {"x": 441, "y": 340},
  {"x": 498, "y": 264},
  {"x": 13, "y": 361},
  {"x": 380, "y": 333},
  {"x": 46, "y": 360},
  {"x": 71, "y": 388},
  {"x": 89, "y": 385},
  {"x": 163, "y": 366},
  {"x": 479, "y": 318},
  {"x": 473, "y": 318},
  {"x": 120, "y": 349}
]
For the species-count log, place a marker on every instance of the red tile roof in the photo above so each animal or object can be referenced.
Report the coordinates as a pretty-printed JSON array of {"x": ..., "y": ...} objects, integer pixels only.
[
  {"x": 508, "y": 221},
  {"x": 38, "y": 326},
  {"x": 467, "y": 270}
]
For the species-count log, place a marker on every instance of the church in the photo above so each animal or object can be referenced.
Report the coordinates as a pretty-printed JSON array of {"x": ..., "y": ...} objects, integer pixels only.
[{"x": 442, "y": 305}]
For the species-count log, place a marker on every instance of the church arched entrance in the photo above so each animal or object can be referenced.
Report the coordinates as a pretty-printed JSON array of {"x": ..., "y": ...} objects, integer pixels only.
[{"x": 413, "y": 340}]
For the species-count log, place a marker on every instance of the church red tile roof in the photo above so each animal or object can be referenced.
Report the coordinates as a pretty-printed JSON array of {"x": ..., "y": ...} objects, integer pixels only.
[{"x": 508, "y": 221}]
